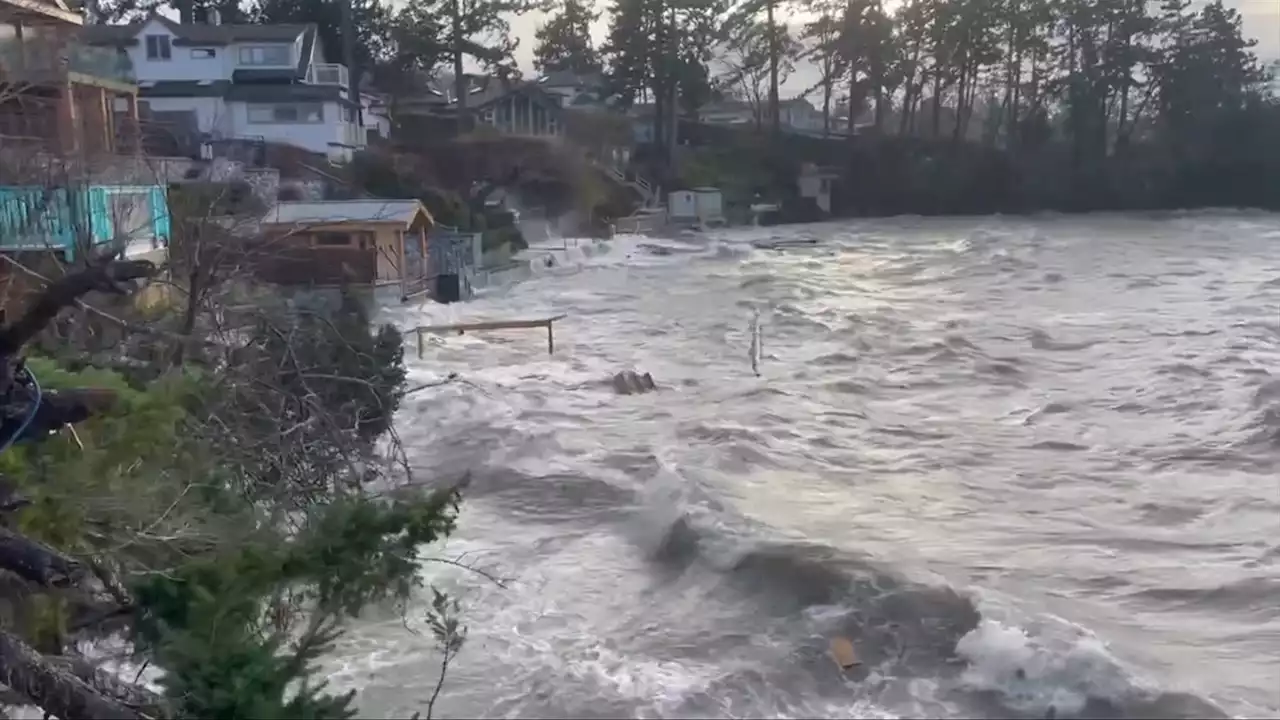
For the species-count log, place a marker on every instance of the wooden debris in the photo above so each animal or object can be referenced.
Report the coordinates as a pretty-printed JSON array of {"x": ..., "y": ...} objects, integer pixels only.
[{"x": 843, "y": 653}]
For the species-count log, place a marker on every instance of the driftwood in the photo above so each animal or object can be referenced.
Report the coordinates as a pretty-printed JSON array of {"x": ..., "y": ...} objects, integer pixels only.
[{"x": 64, "y": 687}]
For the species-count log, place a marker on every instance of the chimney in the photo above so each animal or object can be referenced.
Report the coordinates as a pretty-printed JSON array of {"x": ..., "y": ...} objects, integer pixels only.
[{"x": 213, "y": 16}]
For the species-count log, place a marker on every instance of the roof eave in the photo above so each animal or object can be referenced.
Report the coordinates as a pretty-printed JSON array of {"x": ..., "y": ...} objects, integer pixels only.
[{"x": 58, "y": 11}]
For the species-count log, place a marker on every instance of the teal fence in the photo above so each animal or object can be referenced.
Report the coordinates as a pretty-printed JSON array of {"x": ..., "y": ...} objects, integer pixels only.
[{"x": 134, "y": 217}]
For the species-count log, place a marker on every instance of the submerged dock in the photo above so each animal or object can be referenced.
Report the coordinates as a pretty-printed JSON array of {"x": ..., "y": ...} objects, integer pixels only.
[{"x": 461, "y": 328}]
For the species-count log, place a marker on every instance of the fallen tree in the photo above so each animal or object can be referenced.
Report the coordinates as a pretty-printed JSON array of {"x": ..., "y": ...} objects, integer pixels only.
[
  {"x": 31, "y": 415},
  {"x": 214, "y": 514}
]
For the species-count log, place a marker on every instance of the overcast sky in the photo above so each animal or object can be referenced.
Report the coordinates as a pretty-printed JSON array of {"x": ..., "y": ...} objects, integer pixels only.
[{"x": 1261, "y": 22}]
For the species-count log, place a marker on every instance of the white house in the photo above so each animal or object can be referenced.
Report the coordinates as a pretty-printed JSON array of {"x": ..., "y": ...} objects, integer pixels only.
[{"x": 245, "y": 82}]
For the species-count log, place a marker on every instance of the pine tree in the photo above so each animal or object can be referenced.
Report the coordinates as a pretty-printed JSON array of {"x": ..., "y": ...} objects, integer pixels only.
[{"x": 564, "y": 41}]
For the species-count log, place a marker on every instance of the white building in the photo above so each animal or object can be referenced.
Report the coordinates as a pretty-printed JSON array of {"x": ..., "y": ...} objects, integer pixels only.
[{"x": 245, "y": 82}]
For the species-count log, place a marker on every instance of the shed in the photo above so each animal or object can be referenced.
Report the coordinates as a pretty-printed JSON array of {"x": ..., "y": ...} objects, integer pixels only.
[
  {"x": 709, "y": 204},
  {"x": 682, "y": 205},
  {"x": 363, "y": 242}
]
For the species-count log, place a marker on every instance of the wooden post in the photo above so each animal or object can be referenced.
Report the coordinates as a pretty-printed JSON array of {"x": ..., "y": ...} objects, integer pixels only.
[
  {"x": 422, "y": 345},
  {"x": 67, "y": 120},
  {"x": 135, "y": 125},
  {"x": 551, "y": 340}
]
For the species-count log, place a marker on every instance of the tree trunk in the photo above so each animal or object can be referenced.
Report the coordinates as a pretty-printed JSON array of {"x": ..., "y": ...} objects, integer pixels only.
[
  {"x": 853, "y": 104},
  {"x": 937, "y": 103},
  {"x": 34, "y": 562},
  {"x": 775, "y": 113},
  {"x": 826, "y": 107},
  {"x": 460, "y": 85},
  {"x": 55, "y": 690}
]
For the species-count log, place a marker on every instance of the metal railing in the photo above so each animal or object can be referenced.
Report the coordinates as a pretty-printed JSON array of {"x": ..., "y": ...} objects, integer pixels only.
[
  {"x": 646, "y": 190},
  {"x": 327, "y": 74},
  {"x": 640, "y": 223}
]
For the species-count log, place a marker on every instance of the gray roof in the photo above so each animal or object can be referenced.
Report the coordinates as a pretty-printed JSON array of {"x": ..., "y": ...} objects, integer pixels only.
[
  {"x": 244, "y": 92},
  {"x": 196, "y": 33},
  {"x": 485, "y": 89},
  {"x": 184, "y": 88},
  {"x": 323, "y": 212},
  {"x": 569, "y": 78}
]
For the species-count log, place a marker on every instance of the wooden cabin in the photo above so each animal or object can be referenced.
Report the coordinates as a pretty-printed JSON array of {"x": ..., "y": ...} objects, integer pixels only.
[
  {"x": 57, "y": 94},
  {"x": 372, "y": 243}
]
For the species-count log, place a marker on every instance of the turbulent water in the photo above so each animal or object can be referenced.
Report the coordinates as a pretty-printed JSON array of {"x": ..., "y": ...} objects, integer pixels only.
[{"x": 1030, "y": 467}]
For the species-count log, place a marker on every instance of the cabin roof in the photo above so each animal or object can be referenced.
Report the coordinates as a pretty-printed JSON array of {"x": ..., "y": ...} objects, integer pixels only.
[{"x": 349, "y": 212}]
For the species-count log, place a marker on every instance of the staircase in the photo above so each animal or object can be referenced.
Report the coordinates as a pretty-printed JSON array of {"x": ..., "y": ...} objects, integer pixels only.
[{"x": 648, "y": 195}]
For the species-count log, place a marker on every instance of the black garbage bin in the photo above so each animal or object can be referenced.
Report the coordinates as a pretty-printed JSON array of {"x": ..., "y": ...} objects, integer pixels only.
[{"x": 448, "y": 288}]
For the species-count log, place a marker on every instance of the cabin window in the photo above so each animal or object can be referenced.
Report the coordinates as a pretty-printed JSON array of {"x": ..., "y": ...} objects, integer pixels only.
[
  {"x": 266, "y": 55},
  {"x": 203, "y": 53},
  {"x": 158, "y": 47},
  {"x": 332, "y": 239},
  {"x": 361, "y": 240},
  {"x": 286, "y": 113}
]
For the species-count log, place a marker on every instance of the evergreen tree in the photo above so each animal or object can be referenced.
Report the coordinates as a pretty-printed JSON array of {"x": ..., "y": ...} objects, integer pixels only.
[{"x": 564, "y": 41}]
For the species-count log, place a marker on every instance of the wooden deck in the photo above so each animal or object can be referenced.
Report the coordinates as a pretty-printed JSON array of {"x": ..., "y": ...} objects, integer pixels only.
[{"x": 461, "y": 328}]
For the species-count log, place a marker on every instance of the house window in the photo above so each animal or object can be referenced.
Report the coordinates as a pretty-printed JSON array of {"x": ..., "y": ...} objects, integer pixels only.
[
  {"x": 203, "y": 53},
  {"x": 158, "y": 47},
  {"x": 286, "y": 113},
  {"x": 267, "y": 55},
  {"x": 487, "y": 116}
]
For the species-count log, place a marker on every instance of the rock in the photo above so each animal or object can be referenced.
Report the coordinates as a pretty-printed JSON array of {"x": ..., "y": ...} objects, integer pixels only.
[
  {"x": 843, "y": 653},
  {"x": 628, "y": 382}
]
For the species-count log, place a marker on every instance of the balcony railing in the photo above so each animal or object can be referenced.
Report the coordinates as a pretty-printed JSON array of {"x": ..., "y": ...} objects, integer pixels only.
[
  {"x": 327, "y": 74},
  {"x": 37, "y": 60}
]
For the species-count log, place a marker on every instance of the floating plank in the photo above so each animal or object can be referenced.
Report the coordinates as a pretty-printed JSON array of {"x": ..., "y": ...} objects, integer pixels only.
[{"x": 461, "y": 328}]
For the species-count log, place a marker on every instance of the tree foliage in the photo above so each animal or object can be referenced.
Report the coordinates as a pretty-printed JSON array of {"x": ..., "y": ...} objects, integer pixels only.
[
  {"x": 564, "y": 40},
  {"x": 225, "y": 505},
  {"x": 1065, "y": 104}
]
